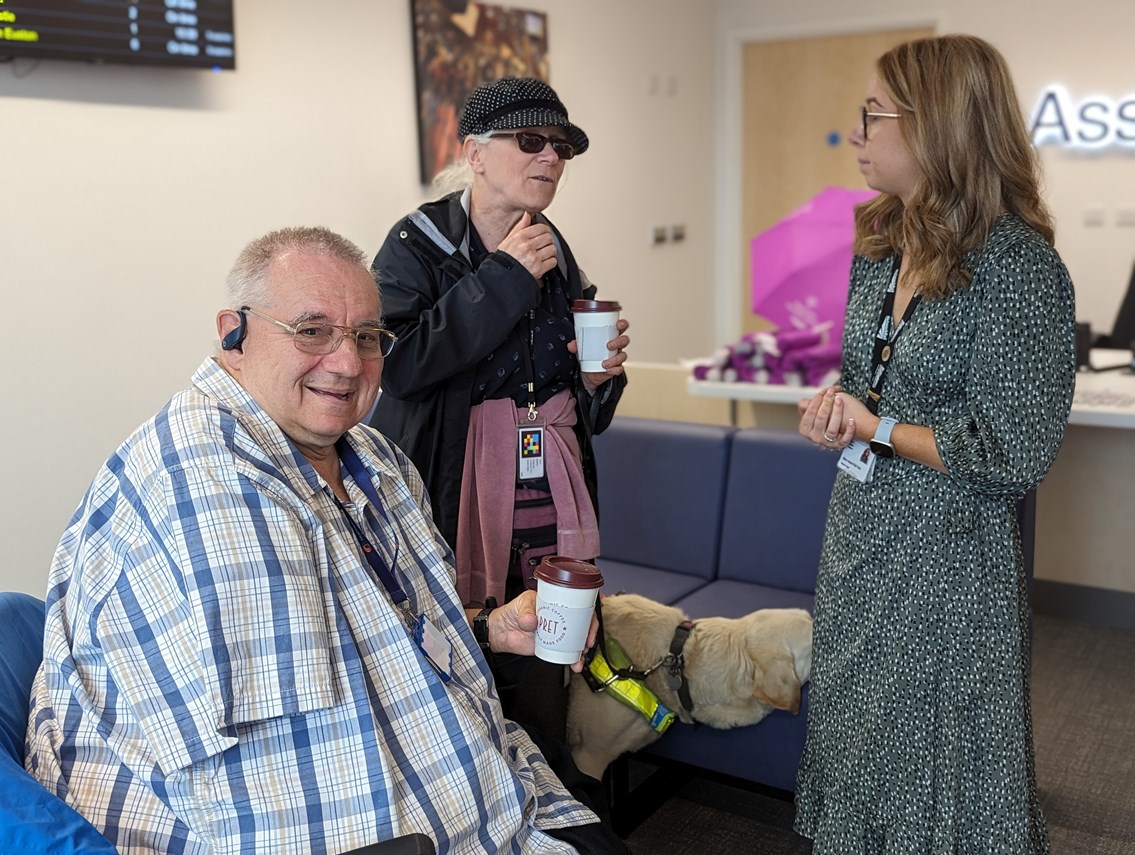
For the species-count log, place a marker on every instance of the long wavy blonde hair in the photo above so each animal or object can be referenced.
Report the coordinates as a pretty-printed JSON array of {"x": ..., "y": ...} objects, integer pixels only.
[{"x": 963, "y": 125}]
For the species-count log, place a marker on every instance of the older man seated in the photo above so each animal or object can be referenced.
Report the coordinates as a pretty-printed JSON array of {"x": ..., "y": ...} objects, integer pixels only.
[{"x": 253, "y": 640}]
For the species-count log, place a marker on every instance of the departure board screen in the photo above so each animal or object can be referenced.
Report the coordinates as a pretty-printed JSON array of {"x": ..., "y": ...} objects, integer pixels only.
[{"x": 183, "y": 33}]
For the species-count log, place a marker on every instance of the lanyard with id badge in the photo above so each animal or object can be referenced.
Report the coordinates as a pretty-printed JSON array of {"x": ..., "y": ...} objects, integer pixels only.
[
  {"x": 530, "y": 437},
  {"x": 430, "y": 640},
  {"x": 858, "y": 460}
]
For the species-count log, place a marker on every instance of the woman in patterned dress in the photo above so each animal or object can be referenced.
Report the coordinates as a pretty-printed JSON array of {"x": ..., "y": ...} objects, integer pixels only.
[{"x": 958, "y": 370}]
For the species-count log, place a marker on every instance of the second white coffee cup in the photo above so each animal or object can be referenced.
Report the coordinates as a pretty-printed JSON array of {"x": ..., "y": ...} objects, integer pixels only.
[{"x": 595, "y": 325}]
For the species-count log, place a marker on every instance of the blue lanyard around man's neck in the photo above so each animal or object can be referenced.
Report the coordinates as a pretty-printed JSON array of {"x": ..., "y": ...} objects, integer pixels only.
[{"x": 385, "y": 574}]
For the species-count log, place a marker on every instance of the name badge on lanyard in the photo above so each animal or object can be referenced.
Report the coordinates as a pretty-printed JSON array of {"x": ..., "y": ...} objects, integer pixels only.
[
  {"x": 436, "y": 647},
  {"x": 530, "y": 453},
  {"x": 858, "y": 461}
]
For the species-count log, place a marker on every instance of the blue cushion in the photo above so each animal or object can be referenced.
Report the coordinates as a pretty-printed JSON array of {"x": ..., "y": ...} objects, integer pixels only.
[
  {"x": 31, "y": 818},
  {"x": 726, "y": 598},
  {"x": 776, "y": 507},
  {"x": 767, "y": 752},
  {"x": 21, "y": 628},
  {"x": 660, "y": 585},
  {"x": 662, "y": 478}
]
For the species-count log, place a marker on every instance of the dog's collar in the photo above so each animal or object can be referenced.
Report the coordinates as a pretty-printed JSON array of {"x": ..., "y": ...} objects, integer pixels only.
[
  {"x": 632, "y": 691},
  {"x": 676, "y": 665}
]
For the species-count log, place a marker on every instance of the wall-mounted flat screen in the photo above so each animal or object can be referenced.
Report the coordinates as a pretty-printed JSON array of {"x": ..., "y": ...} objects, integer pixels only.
[{"x": 180, "y": 33}]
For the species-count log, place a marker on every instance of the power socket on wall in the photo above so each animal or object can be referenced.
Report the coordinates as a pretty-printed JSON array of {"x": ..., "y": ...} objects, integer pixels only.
[{"x": 658, "y": 235}]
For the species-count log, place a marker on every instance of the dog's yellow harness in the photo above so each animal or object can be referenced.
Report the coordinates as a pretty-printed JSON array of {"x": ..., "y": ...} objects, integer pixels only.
[{"x": 601, "y": 676}]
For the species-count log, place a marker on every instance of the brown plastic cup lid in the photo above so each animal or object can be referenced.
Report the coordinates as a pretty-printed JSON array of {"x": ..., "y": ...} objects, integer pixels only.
[
  {"x": 568, "y": 572},
  {"x": 596, "y": 306}
]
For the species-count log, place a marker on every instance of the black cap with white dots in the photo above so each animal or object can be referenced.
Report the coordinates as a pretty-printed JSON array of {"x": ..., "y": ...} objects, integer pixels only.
[{"x": 517, "y": 102}]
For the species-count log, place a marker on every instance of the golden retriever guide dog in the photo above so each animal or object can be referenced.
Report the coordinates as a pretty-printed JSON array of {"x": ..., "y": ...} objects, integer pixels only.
[{"x": 738, "y": 670}]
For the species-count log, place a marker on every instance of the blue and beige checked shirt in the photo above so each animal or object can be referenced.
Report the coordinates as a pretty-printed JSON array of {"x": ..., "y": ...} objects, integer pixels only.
[{"x": 224, "y": 673}]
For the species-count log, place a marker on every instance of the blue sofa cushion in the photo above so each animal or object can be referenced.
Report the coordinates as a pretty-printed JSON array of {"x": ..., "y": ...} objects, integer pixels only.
[
  {"x": 662, "y": 478},
  {"x": 730, "y": 599},
  {"x": 31, "y": 818},
  {"x": 660, "y": 585},
  {"x": 776, "y": 506},
  {"x": 767, "y": 752},
  {"x": 21, "y": 628}
]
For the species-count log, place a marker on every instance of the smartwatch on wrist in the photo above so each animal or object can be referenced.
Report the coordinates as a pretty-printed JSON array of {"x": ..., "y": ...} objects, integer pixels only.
[
  {"x": 881, "y": 441},
  {"x": 481, "y": 623}
]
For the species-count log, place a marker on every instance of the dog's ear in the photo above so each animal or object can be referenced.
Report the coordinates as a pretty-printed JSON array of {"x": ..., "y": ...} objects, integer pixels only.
[{"x": 777, "y": 684}]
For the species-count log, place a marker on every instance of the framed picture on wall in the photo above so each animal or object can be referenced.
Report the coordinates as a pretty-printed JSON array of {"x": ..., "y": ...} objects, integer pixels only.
[{"x": 459, "y": 44}]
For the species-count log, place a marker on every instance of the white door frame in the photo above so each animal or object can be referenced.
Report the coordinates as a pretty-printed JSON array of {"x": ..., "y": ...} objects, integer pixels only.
[{"x": 727, "y": 195}]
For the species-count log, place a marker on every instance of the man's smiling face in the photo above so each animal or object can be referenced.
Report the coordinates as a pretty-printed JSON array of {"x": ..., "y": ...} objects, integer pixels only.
[{"x": 314, "y": 398}]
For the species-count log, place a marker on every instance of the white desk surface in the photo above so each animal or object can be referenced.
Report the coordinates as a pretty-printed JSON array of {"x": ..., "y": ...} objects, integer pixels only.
[{"x": 1102, "y": 399}]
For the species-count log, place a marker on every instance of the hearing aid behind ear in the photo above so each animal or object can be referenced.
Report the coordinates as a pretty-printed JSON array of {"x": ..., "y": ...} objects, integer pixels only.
[{"x": 235, "y": 336}]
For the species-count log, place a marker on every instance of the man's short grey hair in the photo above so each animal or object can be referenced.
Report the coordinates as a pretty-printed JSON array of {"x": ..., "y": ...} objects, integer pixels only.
[{"x": 247, "y": 282}]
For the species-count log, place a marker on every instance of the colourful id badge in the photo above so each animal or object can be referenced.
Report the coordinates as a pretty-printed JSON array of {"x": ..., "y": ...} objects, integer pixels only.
[
  {"x": 858, "y": 461},
  {"x": 436, "y": 647},
  {"x": 530, "y": 452}
]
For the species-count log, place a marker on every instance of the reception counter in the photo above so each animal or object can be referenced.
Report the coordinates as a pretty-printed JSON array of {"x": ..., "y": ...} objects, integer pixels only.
[{"x": 1105, "y": 397}]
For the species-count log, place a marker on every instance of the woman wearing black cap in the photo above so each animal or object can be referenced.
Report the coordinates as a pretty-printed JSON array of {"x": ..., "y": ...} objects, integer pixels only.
[{"x": 478, "y": 286}]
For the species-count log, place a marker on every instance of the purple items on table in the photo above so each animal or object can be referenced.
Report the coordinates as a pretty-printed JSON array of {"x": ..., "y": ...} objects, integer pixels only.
[{"x": 789, "y": 357}]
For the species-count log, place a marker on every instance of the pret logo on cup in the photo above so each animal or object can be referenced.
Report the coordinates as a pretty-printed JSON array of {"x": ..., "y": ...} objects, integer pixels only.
[
  {"x": 552, "y": 624},
  {"x": 595, "y": 325},
  {"x": 565, "y": 601}
]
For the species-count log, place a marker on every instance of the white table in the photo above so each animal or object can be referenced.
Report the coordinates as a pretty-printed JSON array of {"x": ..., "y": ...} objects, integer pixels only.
[{"x": 1103, "y": 398}]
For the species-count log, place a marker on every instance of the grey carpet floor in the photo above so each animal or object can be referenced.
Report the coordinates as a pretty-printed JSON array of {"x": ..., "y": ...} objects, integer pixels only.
[{"x": 1084, "y": 728}]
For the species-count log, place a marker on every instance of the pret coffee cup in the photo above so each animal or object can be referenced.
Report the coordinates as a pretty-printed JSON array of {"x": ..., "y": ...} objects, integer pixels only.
[
  {"x": 595, "y": 325},
  {"x": 565, "y": 600}
]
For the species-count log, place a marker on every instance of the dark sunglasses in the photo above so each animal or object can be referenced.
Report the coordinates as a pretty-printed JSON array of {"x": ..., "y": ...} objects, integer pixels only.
[{"x": 533, "y": 143}]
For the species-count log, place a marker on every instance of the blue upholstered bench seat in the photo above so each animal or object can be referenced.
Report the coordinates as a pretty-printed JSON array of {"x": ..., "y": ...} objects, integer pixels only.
[{"x": 719, "y": 522}]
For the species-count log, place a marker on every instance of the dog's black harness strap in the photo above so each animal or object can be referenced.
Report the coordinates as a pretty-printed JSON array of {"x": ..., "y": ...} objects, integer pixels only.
[
  {"x": 677, "y": 662},
  {"x": 601, "y": 644}
]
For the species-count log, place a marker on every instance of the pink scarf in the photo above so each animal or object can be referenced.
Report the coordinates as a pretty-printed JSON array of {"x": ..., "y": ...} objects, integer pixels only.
[{"x": 488, "y": 490}]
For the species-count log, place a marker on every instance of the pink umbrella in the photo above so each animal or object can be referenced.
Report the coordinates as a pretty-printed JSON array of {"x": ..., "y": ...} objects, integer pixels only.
[{"x": 801, "y": 264}]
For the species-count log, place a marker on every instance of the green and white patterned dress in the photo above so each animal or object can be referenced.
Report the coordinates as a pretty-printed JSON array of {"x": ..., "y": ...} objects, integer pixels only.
[{"x": 919, "y": 729}]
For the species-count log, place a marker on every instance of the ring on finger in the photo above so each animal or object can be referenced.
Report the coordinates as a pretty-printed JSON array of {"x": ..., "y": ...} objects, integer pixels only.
[{"x": 828, "y": 439}]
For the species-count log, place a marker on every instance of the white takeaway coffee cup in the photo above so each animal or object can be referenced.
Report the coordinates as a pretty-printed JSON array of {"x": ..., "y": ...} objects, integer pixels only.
[
  {"x": 595, "y": 325},
  {"x": 565, "y": 601}
]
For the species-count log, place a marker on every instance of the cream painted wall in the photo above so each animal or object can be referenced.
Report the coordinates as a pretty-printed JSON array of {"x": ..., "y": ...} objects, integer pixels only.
[{"x": 129, "y": 192}]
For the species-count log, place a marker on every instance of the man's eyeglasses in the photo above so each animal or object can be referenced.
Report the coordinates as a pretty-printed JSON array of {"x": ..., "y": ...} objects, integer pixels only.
[
  {"x": 867, "y": 114},
  {"x": 320, "y": 338},
  {"x": 533, "y": 143}
]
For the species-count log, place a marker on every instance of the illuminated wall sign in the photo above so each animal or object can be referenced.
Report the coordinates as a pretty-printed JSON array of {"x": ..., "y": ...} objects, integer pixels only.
[{"x": 1097, "y": 121}]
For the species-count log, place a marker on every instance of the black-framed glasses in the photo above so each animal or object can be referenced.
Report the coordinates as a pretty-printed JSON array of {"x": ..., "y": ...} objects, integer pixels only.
[
  {"x": 531, "y": 142},
  {"x": 320, "y": 338},
  {"x": 866, "y": 114}
]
